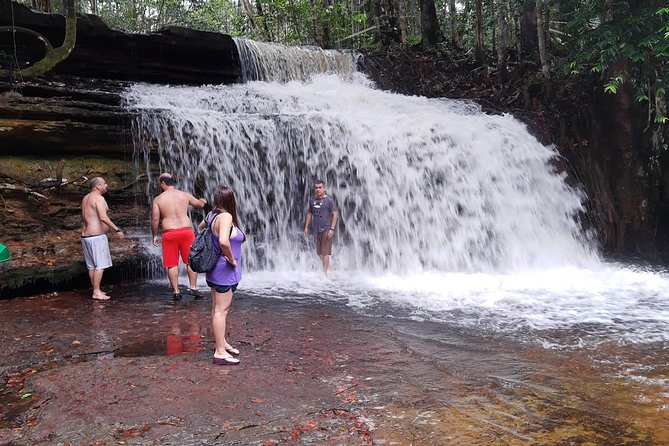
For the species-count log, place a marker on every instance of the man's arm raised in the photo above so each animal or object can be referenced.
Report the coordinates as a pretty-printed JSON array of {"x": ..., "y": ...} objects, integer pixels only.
[{"x": 197, "y": 203}]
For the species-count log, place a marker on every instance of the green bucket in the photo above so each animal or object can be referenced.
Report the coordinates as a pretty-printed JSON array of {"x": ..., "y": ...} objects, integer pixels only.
[{"x": 4, "y": 253}]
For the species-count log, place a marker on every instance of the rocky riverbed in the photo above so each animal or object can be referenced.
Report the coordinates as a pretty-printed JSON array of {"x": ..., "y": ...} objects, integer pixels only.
[{"x": 137, "y": 370}]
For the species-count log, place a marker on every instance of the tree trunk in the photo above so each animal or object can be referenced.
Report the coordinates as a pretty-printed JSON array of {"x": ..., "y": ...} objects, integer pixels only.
[
  {"x": 261, "y": 15},
  {"x": 429, "y": 23},
  {"x": 541, "y": 35},
  {"x": 478, "y": 52},
  {"x": 453, "y": 15},
  {"x": 53, "y": 56},
  {"x": 327, "y": 37},
  {"x": 386, "y": 19},
  {"x": 42, "y": 5},
  {"x": 404, "y": 35},
  {"x": 501, "y": 46},
  {"x": 528, "y": 31},
  {"x": 250, "y": 13}
]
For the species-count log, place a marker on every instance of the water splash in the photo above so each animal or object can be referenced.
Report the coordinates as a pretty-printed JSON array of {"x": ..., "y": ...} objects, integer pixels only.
[
  {"x": 421, "y": 184},
  {"x": 447, "y": 213}
]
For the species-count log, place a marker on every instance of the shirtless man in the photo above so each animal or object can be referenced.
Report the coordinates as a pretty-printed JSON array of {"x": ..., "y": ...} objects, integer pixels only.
[
  {"x": 95, "y": 224},
  {"x": 172, "y": 207}
]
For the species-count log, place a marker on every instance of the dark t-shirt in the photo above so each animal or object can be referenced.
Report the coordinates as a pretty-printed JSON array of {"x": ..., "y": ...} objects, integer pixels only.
[{"x": 322, "y": 209}]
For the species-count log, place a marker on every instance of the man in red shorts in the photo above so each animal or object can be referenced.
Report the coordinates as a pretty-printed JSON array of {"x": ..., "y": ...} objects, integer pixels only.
[{"x": 171, "y": 206}]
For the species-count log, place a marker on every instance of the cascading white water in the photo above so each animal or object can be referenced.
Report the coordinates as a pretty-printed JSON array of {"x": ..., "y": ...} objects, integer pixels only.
[
  {"x": 280, "y": 63},
  {"x": 421, "y": 184},
  {"x": 459, "y": 215}
]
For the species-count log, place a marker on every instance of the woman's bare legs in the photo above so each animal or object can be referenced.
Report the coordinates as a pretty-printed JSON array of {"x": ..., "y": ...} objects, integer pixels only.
[{"x": 220, "y": 307}]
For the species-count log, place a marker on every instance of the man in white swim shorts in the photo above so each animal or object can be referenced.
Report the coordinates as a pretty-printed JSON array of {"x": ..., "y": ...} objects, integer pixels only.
[{"x": 95, "y": 224}]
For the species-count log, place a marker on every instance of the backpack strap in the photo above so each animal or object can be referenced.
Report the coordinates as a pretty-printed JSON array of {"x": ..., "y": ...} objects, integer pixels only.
[{"x": 212, "y": 222}]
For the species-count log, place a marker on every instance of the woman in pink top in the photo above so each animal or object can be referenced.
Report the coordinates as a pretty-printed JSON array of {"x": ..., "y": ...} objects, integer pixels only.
[{"x": 227, "y": 273}]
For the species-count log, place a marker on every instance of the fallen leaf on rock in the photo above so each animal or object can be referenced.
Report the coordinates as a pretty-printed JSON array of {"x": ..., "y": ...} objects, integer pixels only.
[
  {"x": 76, "y": 342},
  {"x": 256, "y": 400}
]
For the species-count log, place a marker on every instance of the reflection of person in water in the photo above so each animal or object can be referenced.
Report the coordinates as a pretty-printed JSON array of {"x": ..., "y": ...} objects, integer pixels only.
[{"x": 184, "y": 337}]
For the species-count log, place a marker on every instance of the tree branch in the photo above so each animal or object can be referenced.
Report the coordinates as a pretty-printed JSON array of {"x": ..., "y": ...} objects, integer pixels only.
[{"x": 53, "y": 56}]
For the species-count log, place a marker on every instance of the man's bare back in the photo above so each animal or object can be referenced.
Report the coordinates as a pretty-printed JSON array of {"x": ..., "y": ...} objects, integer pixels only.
[{"x": 172, "y": 208}]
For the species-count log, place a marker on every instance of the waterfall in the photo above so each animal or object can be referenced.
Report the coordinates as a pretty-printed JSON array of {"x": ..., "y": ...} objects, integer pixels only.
[
  {"x": 280, "y": 63},
  {"x": 421, "y": 184},
  {"x": 446, "y": 213}
]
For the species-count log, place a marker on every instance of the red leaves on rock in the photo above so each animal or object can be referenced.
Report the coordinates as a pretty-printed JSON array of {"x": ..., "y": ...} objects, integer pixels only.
[{"x": 299, "y": 430}]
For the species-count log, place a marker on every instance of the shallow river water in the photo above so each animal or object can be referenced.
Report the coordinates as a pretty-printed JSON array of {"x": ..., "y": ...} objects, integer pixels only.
[{"x": 409, "y": 377}]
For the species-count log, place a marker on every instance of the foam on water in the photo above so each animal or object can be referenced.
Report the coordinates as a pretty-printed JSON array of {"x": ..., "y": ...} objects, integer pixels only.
[{"x": 447, "y": 213}]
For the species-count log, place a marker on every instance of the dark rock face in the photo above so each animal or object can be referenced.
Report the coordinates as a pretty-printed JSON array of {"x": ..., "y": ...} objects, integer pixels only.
[
  {"x": 172, "y": 56},
  {"x": 77, "y": 107},
  {"x": 64, "y": 115}
]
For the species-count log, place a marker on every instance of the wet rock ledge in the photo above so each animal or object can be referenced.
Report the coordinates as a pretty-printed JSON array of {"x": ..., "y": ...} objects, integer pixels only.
[
  {"x": 172, "y": 56},
  {"x": 59, "y": 131}
]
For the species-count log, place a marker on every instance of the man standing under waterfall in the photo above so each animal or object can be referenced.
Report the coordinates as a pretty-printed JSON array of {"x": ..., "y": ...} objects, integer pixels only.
[
  {"x": 323, "y": 212},
  {"x": 94, "y": 227},
  {"x": 171, "y": 206}
]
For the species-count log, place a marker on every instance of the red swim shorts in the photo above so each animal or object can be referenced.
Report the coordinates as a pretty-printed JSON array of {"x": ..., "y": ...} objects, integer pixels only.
[{"x": 176, "y": 241}]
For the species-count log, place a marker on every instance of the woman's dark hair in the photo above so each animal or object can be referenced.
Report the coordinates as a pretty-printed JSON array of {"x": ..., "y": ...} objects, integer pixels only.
[{"x": 224, "y": 201}]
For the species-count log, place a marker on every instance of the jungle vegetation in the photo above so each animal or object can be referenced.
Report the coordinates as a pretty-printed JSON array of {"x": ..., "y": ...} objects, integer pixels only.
[{"x": 622, "y": 41}]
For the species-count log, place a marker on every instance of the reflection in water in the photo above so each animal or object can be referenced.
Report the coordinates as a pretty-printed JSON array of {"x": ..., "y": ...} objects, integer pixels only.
[
  {"x": 184, "y": 336},
  {"x": 169, "y": 345}
]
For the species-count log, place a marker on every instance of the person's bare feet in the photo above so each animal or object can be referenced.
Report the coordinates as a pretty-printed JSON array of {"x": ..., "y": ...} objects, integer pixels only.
[{"x": 100, "y": 296}]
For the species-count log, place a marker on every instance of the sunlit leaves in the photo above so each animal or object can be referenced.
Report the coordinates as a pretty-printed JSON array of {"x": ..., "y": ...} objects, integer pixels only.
[{"x": 614, "y": 84}]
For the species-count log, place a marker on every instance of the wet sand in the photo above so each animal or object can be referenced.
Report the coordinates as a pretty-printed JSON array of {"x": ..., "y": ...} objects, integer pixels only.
[{"x": 137, "y": 370}]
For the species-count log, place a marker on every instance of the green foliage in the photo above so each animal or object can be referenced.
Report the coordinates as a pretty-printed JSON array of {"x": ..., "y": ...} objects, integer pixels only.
[
  {"x": 621, "y": 41},
  {"x": 413, "y": 39},
  {"x": 614, "y": 84},
  {"x": 291, "y": 22}
]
